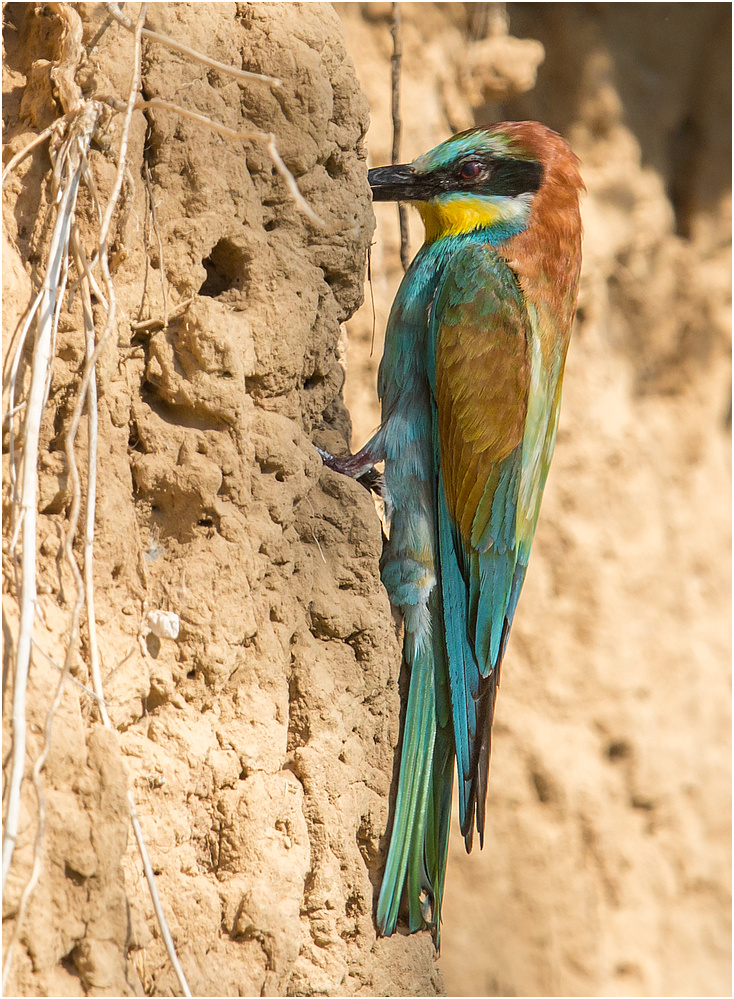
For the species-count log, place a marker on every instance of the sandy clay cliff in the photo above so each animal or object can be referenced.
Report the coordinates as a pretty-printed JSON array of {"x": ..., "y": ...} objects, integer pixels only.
[{"x": 259, "y": 745}]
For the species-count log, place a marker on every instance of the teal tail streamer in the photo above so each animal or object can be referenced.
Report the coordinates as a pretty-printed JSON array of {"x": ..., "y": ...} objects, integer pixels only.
[{"x": 420, "y": 832}]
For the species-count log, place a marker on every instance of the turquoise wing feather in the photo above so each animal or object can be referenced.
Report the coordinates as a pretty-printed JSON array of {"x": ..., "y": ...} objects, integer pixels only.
[{"x": 479, "y": 336}]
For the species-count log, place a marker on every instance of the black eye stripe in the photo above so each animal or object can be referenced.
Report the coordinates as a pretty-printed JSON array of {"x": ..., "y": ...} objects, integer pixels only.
[
  {"x": 512, "y": 177},
  {"x": 504, "y": 177}
]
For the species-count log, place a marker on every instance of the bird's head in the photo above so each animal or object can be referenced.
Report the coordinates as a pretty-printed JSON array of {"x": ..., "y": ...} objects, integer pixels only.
[{"x": 487, "y": 179}]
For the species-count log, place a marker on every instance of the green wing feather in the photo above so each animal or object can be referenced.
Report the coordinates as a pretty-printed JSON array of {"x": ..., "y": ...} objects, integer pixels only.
[{"x": 480, "y": 333}]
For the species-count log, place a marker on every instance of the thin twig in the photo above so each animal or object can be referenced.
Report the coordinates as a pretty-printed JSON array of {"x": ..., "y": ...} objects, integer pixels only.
[
  {"x": 148, "y": 325},
  {"x": 12, "y": 408},
  {"x": 42, "y": 358},
  {"x": 73, "y": 472},
  {"x": 156, "y": 230},
  {"x": 290, "y": 180},
  {"x": 150, "y": 878},
  {"x": 85, "y": 270},
  {"x": 119, "y": 666},
  {"x": 69, "y": 676},
  {"x": 91, "y": 506},
  {"x": 89, "y": 374},
  {"x": 397, "y": 124},
  {"x": 244, "y": 136},
  {"x": 60, "y": 292},
  {"x": 20, "y": 156},
  {"x": 230, "y": 133},
  {"x": 146, "y": 238},
  {"x": 89, "y": 265},
  {"x": 117, "y": 252},
  {"x": 171, "y": 43},
  {"x": 124, "y": 140},
  {"x": 36, "y": 869},
  {"x": 69, "y": 174}
]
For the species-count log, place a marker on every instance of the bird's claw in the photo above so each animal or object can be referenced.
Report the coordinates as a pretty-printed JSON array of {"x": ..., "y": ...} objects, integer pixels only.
[
  {"x": 340, "y": 465},
  {"x": 356, "y": 466},
  {"x": 372, "y": 480}
]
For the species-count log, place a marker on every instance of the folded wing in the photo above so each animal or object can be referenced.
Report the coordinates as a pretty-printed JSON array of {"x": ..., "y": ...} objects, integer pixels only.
[{"x": 481, "y": 347}]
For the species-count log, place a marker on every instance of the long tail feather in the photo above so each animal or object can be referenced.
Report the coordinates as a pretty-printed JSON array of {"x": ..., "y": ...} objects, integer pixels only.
[
  {"x": 420, "y": 833},
  {"x": 438, "y": 822},
  {"x": 415, "y": 775}
]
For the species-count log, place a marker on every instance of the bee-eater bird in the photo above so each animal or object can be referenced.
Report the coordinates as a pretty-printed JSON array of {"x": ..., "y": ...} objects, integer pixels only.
[{"x": 470, "y": 385}]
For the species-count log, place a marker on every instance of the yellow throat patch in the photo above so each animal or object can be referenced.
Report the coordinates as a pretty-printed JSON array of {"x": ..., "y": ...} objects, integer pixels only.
[{"x": 461, "y": 213}]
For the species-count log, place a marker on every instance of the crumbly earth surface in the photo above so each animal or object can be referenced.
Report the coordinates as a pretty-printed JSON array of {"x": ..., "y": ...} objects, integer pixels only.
[{"x": 260, "y": 745}]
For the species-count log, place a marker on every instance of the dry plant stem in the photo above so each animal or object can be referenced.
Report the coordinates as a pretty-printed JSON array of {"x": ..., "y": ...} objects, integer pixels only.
[
  {"x": 91, "y": 495},
  {"x": 231, "y": 133},
  {"x": 171, "y": 43},
  {"x": 89, "y": 386},
  {"x": 92, "y": 420},
  {"x": 42, "y": 357},
  {"x": 12, "y": 409},
  {"x": 124, "y": 139},
  {"x": 60, "y": 292},
  {"x": 69, "y": 166},
  {"x": 36, "y": 870},
  {"x": 157, "y": 231},
  {"x": 17, "y": 356},
  {"x": 69, "y": 171},
  {"x": 397, "y": 124},
  {"x": 290, "y": 180},
  {"x": 20, "y": 156},
  {"x": 146, "y": 238},
  {"x": 91, "y": 359},
  {"x": 85, "y": 270},
  {"x": 64, "y": 70},
  {"x": 78, "y": 248},
  {"x": 90, "y": 367},
  {"x": 77, "y": 683},
  {"x": 89, "y": 370},
  {"x": 86, "y": 384},
  {"x": 150, "y": 878}
]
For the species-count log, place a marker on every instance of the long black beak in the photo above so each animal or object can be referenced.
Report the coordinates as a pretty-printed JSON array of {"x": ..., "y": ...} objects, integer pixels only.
[{"x": 394, "y": 183}]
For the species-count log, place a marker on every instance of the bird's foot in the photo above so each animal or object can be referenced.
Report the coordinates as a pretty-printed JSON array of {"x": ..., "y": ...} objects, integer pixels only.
[
  {"x": 352, "y": 465},
  {"x": 358, "y": 466}
]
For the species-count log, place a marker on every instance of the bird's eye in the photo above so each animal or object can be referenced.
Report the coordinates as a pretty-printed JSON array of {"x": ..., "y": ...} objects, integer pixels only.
[{"x": 471, "y": 169}]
